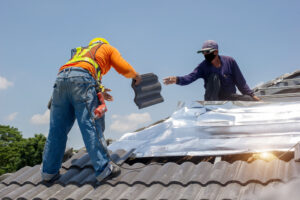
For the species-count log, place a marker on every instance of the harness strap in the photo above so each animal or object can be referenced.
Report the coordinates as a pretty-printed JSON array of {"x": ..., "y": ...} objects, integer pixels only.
[{"x": 79, "y": 56}]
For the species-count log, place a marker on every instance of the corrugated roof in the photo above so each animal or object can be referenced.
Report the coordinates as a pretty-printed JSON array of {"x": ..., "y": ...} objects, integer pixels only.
[
  {"x": 282, "y": 88},
  {"x": 153, "y": 181}
]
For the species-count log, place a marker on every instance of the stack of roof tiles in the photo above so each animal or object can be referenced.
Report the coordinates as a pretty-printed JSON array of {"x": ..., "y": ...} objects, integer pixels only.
[
  {"x": 282, "y": 88},
  {"x": 222, "y": 180}
]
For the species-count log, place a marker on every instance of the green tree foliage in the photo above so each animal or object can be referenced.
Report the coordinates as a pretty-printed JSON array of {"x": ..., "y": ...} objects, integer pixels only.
[{"x": 17, "y": 152}]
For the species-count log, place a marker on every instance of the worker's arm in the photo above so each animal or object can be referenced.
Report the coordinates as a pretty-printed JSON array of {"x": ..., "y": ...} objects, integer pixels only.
[
  {"x": 184, "y": 80},
  {"x": 123, "y": 67},
  {"x": 187, "y": 79},
  {"x": 241, "y": 82}
]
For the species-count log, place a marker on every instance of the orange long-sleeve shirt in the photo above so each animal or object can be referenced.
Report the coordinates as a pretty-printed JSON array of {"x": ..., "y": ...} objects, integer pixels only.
[{"x": 106, "y": 56}]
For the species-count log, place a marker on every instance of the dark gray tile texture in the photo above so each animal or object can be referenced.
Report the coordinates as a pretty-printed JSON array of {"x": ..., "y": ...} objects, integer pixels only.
[
  {"x": 147, "y": 93},
  {"x": 222, "y": 180},
  {"x": 285, "y": 85}
]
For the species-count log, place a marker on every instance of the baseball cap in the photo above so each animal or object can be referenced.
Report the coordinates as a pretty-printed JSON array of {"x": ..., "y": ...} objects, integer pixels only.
[{"x": 208, "y": 45}]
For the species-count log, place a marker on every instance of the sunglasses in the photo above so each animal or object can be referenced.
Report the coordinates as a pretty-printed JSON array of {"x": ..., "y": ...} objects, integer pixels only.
[{"x": 208, "y": 51}]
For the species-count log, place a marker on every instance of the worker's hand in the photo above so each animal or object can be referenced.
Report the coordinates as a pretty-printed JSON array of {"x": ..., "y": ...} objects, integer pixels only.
[
  {"x": 256, "y": 98},
  {"x": 170, "y": 80},
  {"x": 107, "y": 97},
  {"x": 137, "y": 79}
]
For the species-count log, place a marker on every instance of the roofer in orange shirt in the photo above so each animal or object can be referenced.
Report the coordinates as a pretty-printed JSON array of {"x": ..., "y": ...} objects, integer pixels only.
[{"x": 75, "y": 97}]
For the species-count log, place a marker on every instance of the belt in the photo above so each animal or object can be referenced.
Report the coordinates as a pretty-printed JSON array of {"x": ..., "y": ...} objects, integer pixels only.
[{"x": 74, "y": 69}]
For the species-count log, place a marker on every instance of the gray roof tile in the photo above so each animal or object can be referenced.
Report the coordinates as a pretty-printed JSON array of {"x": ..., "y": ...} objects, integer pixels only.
[
  {"x": 147, "y": 93},
  {"x": 84, "y": 161},
  {"x": 70, "y": 174},
  {"x": 8, "y": 189},
  {"x": 133, "y": 191},
  {"x": 19, "y": 191},
  {"x": 34, "y": 192},
  {"x": 49, "y": 191},
  {"x": 73, "y": 159},
  {"x": 204, "y": 180},
  {"x": 16, "y": 174},
  {"x": 98, "y": 192},
  {"x": 151, "y": 192},
  {"x": 81, "y": 177},
  {"x": 82, "y": 192},
  {"x": 32, "y": 176},
  {"x": 65, "y": 192},
  {"x": 283, "y": 88},
  {"x": 2, "y": 186}
]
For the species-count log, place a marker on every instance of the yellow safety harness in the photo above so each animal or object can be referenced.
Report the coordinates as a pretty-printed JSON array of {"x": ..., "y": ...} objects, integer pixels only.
[{"x": 79, "y": 56}]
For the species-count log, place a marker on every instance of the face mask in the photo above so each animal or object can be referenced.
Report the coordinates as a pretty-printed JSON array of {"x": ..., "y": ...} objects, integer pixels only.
[{"x": 209, "y": 57}]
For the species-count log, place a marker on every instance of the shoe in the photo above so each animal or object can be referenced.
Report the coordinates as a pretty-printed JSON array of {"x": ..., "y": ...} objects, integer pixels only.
[
  {"x": 116, "y": 171},
  {"x": 109, "y": 172},
  {"x": 52, "y": 179}
]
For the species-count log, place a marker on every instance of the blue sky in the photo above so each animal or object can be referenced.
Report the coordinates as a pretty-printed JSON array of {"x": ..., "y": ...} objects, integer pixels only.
[{"x": 153, "y": 36}]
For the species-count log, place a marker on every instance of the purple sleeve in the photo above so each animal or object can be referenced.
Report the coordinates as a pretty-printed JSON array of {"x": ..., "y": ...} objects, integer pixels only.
[
  {"x": 187, "y": 79},
  {"x": 240, "y": 80}
]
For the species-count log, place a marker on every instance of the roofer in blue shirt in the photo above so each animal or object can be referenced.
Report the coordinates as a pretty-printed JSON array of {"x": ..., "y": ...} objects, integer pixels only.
[{"x": 221, "y": 75}]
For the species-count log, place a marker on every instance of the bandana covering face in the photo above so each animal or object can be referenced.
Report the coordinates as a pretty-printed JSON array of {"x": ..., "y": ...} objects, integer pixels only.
[{"x": 209, "y": 57}]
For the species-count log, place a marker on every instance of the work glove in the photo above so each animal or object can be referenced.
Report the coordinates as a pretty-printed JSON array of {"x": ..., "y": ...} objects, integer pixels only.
[{"x": 107, "y": 97}]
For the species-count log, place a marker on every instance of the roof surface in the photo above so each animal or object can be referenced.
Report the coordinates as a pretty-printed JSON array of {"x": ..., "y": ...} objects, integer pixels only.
[
  {"x": 191, "y": 130},
  {"x": 282, "y": 88},
  {"x": 222, "y": 180},
  {"x": 221, "y": 128}
]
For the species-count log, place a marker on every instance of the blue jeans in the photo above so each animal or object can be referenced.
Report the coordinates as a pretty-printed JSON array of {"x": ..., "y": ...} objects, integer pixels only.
[{"x": 74, "y": 97}]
